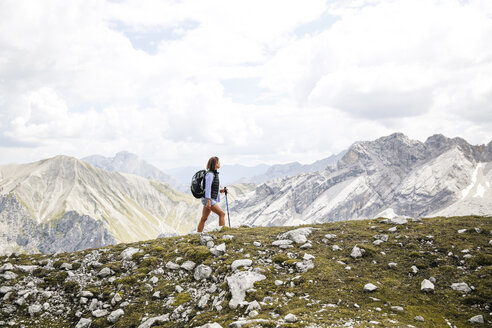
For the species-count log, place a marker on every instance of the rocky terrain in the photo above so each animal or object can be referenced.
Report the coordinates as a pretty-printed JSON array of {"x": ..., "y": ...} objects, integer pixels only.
[
  {"x": 364, "y": 273},
  {"x": 390, "y": 176}
]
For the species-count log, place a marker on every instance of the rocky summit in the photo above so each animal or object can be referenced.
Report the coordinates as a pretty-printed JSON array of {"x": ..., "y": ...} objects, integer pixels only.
[{"x": 426, "y": 273}]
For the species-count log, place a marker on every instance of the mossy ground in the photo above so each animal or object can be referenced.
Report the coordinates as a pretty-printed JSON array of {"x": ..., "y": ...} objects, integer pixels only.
[{"x": 426, "y": 245}]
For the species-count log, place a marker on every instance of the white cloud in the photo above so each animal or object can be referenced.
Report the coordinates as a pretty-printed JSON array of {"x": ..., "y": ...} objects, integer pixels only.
[{"x": 73, "y": 79}]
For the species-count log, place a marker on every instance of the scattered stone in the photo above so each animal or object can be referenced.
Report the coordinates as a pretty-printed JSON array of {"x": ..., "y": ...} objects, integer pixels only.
[
  {"x": 154, "y": 280},
  {"x": 202, "y": 303},
  {"x": 86, "y": 293},
  {"x": 357, "y": 252},
  {"x": 397, "y": 308},
  {"x": 419, "y": 318},
  {"x": 291, "y": 318},
  {"x": 378, "y": 242},
  {"x": 306, "y": 246},
  {"x": 227, "y": 237},
  {"x": 157, "y": 294},
  {"x": 256, "y": 244},
  {"x": 66, "y": 266},
  {"x": 99, "y": 313},
  {"x": 415, "y": 270},
  {"x": 304, "y": 266},
  {"x": 6, "y": 267},
  {"x": 462, "y": 231},
  {"x": 394, "y": 229},
  {"x": 9, "y": 275},
  {"x": 34, "y": 309},
  {"x": 433, "y": 280},
  {"x": 178, "y": 289},
  {"x": 336, "y": 248},
  {"x": 308, "y": 257},
  {"x": 5, "y": 289},
  {"x": 149, "y": 322},
  {"x": 104, "y": 272},
  {"x": 202, "y": 272},
  {"x": 241, "y": 263},
  {"x": 241, "y": 323},
  {"x": 426, "y": 286},
  {"x": 382, "y": 237},
  {"x": 26, "y": 268},
  {"x": 396, "y": 220},
  {"x": 330, "y": 236},
  {"x": 188, "y": 265},
  {"x": 282, "y": 242},
  {"x": 299, "y": 236},
  {"x": 392, "y": 265},
  {"x": 128, "y": 253},
  {"x": 115, "y": 315},
  {"x": 476, "y": 319},
  {"x": 211, "y": 325},
  {"x": 218, "y": 250},
  {"x": 172, "y": 266},
  {"x": 279, "y": 282},
  {"x": 240, "y": 282},
  {"x": 462, "y": 287},
  {"x": 370, "y": 287},
  {"x": 84, "y": 323}
]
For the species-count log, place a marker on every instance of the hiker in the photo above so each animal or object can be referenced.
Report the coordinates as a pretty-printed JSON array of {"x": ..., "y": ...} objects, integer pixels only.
[{"x": 212, "y": 194}]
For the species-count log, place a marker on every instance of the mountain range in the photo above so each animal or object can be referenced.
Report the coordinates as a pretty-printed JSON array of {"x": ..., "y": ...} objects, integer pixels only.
[
  {"x": 66, "y": 204},
  {"x": 391, "y": 176}
]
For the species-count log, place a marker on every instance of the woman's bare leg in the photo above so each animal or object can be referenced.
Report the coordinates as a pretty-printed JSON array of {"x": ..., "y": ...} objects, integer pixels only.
[
  {"x": 217, "y": 210},
  {"x": 205, "y": 214}
]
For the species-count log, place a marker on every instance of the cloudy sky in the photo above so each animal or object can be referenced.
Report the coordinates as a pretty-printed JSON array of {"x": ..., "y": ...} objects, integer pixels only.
[{"x": 176, "y": 82}]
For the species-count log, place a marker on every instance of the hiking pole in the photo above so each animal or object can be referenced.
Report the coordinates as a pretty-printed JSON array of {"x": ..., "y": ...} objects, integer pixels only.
[{"x": 227, "y": 205}]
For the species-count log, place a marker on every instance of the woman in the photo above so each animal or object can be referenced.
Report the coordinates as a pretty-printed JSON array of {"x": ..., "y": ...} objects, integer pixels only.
[{"x": 212, "y": 194}]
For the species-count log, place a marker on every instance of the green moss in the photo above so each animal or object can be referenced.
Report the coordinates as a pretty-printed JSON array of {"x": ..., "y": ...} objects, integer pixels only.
[{"x": 182, "y": 298}]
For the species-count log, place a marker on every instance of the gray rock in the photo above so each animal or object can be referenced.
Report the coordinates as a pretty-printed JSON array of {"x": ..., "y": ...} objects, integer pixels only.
[
  {"x": 5, "y": 289},
  {"x": 426, "y": 286},
  {"x": 396, "y": 220},
  {"x": 256, "y": 244},
  {"x": 84, "y": 323},
  {"x": 392, "y": 265},
  {"x": 9, "y": 275},
  {"x": 415, "y": 270},
  {"x": 241, "y": 323},
  {"x": 160, "y": 319},
  {"x": 282, "y": 242},
  {"x": 99, "y": 313},
  {"x": 128, "y": 253},
  {"x": 104, "y": 272},
  {"x": 202, "y": 303},
  {"x": 188, "y": 265},
  {"x": 462, "y": 287},
  {"x": 370, "y": 287},
  {"x": 290, "y": 318},
  {"x": 304, "y": 266},
  {"x": 356, "y": 252},
  {"x": 397, "y": 308},
  {"x": 66, "y": 266},
  {"x": 115, "y": 315},
  {"x": 240, "y": 282},
  {"x": 462, "y": 231},
  {"x": 86, "y": 293},
  {"x": 202, "y": 272},
  {"x": 116, "y": 299},
  {"x": 241, "y": 263},
  {"x": 382, "y": 237},
  {"x": 476, "y": 319},
  {"x": 227, "y": 237},
  {"x": 172, "y": 266},
  {"x": 211, "y": 325},
  {"x": 6, "y": 267},
  {"x": 419, "y": 318},
  {"x": 330, "y": 236},
  {"x": 218, "y": 250},
  {"x": 34, "y": 309},
  {"x": 299, "y": 236},
  {"x": 26, "y": 268}
]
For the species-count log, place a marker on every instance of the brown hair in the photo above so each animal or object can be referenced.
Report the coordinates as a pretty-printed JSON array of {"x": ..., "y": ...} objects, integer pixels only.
[{"x": 212, "y": 162}]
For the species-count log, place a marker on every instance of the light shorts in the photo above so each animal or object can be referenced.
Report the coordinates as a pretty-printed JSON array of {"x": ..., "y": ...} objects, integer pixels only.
[{"x": 212, "y": 201}]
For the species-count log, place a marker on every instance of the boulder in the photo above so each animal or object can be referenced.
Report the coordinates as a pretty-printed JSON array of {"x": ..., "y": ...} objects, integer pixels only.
[
  {"x": 426, "y": 286},
  {"x": 150, "y": 322},
  {"x": 299, "y": 236},
  {"x": 370, "y": 287},
  {"x": 240, "y": 282},
  {"x": 115, "y": 315},
  {"x": 356, "y": 252},
  {"x": 202, "y": 272},
  {"x": 241, "y": 263},
  {"x": 84, "y": 323},
  {"x": 128, "y": 253},
  {"x": 461, "y": 287},
  {"x": 290, "y": 318},
  {"x": 188, "y": 265},
  {"x": 476, "y": 319}
]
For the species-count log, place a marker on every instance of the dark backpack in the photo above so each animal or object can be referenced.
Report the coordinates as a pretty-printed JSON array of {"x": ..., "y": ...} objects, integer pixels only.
[{"x": 198, "y": 184}]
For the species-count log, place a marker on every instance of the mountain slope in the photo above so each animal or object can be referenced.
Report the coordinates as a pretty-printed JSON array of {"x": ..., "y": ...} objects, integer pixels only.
[
  {"x": 131, "y": 207},
  {"x": 318, "y": 276},
  {"x": 126, "y": 162},
  {"x": 392, "y": 174}
]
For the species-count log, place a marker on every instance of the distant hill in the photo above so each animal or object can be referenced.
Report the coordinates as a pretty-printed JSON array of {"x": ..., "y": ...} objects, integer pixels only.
[
  {"x": 126, "y": 162},
  {"x": 112, "y": 206}
]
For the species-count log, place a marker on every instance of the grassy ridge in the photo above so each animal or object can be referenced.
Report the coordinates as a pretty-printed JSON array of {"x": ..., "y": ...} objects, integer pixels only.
[{"x": 329, "y": 295}]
